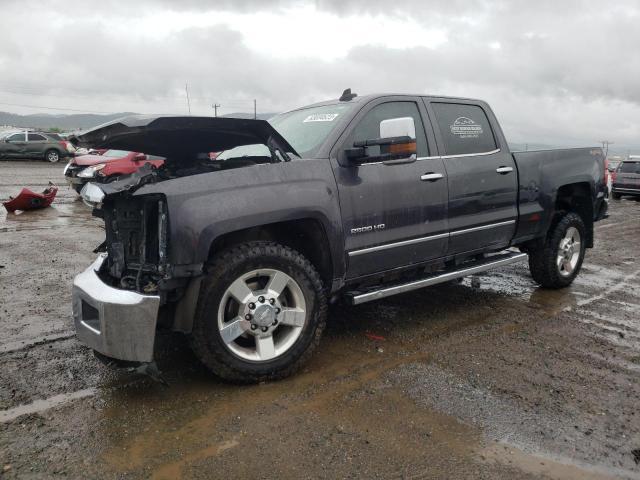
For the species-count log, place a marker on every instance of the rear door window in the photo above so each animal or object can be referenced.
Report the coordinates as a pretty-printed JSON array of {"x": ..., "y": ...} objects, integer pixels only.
[
  {"x": 465, "y": 129},
  {"x": 34, "y": 137}
]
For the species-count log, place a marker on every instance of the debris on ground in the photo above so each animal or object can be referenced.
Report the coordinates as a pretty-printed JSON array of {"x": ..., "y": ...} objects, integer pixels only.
[{"x": 30, "y": 200}]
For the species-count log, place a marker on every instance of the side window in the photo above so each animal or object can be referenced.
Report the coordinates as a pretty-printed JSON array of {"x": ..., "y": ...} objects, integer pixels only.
[
  {"x": 16, "y": 137},
  {"x": 34, "y": 137},
  {"x": 464, "y": 128},
  {"x": 369, "y": 126}
]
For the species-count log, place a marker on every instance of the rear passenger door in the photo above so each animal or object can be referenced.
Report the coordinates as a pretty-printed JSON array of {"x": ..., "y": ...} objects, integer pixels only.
[
  {"x": 36, "y": 144},
  {"x": 481, "y": 176}
]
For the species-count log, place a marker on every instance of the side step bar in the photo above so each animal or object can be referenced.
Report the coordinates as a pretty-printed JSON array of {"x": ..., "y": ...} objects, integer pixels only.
[{"x": 356, "y": 298}]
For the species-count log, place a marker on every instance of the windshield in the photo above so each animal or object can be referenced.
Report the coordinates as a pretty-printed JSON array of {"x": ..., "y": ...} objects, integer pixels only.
[
  {"x": 306, "y": 129},
  {"x": 629, "y": 167},
  {"x": 115, "y": 153}
]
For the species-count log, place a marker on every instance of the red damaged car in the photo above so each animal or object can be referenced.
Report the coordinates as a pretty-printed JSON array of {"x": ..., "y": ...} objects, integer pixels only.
[{"x": 106, "y": 166}]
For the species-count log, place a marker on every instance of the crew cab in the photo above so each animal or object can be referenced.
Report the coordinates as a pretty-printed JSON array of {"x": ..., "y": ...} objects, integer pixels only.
[{"x": 349, "y": 200}]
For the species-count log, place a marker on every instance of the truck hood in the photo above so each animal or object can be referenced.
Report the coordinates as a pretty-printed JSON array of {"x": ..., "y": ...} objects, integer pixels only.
[{"x": 181, "y": 139}]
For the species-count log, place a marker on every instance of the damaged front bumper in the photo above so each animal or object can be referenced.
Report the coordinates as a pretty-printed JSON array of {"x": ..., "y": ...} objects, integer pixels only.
[{"x": 117, "y": 323}]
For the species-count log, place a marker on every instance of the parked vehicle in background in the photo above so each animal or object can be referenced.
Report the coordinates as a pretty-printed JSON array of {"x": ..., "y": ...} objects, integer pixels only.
[
  {"x": 56, "y": 136},
  {"x": 627, "y": 178},
  {"x": 25, "y": 144},
  {"x": 106, "y": 166},
  {"x": 351, "y": 200}
]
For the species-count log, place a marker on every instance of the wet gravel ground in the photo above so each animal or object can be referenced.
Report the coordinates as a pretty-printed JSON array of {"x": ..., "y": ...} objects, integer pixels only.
[{"x": 500, "y": 380}]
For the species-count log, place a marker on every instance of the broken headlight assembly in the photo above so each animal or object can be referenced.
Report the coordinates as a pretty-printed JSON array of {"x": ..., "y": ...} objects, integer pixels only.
[{"x": 90, "y": 172}]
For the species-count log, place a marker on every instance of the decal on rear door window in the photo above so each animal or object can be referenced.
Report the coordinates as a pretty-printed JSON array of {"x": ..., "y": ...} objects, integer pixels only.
[{"x": 464, "y": 127}]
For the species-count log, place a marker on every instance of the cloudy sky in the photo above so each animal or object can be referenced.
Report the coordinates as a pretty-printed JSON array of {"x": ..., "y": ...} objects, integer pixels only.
[{"x": 556, "y": 72}]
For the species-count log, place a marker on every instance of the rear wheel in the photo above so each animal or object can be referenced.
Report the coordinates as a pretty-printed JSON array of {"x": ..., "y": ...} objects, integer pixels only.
[
  {"x": 52, "y": 155},
  {"x": 260, "y": 313},
  {"x": 556, "y": 263},
  {"x": 616, "y": 196}
]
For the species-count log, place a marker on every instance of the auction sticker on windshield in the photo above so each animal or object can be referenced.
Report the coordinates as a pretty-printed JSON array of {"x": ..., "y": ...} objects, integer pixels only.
[{"x": 321, "y": 117}]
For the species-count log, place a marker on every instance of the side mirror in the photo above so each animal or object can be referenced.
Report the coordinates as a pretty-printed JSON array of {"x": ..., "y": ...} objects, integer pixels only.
[
  {"x": 397, "y": 143},
  {"x": 398, "y": 127},
  {"x": 140, "y": 157}
]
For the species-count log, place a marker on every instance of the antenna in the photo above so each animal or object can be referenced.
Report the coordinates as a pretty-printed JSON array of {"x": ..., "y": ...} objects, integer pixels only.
[
  {"x": 347, "y": 95},
  {"x": 186, "y": 89}
]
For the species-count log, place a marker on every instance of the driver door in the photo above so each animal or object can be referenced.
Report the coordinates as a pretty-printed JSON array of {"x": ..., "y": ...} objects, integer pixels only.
[
  {"x": 16, "y": 145},
  {"x": 394, "y": 213}
]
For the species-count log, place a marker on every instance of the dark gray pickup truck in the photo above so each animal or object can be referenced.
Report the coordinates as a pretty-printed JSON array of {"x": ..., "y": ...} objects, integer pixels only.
[{"x": 347, "y": 200}]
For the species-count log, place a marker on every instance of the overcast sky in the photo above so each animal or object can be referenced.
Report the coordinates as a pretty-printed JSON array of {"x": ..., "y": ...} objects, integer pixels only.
[{"x": 562, "y": 72}]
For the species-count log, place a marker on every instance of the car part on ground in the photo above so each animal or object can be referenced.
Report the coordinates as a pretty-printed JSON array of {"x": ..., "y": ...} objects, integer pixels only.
[{"x": 29, "y": 200}]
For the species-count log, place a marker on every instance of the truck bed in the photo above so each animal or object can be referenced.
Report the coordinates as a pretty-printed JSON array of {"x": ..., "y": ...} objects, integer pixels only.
[{"x": 540, "y": 175}]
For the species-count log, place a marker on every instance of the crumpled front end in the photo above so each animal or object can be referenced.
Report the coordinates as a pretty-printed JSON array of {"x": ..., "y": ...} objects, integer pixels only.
[{"x": 118, "y": 323}]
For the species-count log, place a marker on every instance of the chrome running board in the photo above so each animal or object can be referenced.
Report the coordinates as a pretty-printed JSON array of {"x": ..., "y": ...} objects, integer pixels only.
[{"x": 356, "y": 298}]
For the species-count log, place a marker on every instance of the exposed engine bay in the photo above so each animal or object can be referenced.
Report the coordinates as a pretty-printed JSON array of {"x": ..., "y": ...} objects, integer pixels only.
[{"x": 137, "y": 226}]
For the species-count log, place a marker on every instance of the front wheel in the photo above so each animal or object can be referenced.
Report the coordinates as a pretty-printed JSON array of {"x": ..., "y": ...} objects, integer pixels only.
[
  {"x": 616, "y": 196},
  {"x": 556, "y": 263},
  {"x": 260, "y": 314},
  {"x": 52, "y": 156}
]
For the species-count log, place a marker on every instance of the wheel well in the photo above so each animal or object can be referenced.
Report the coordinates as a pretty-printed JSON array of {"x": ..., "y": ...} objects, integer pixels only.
[
  {"x": 307, "y": 236},
  {"x": 576, "y": 197}
]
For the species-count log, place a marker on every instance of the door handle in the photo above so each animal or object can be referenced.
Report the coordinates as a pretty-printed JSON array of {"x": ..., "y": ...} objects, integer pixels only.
[
  {"x": 431, "y": 177},
  {"x": 504, "y": 170}
]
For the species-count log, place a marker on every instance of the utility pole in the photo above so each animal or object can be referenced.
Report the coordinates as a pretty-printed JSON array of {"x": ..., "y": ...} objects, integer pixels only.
[
  {"x": 215, "y": 107},
  {"x": 255, "y": 111},
  {"x": 605, "y": 146},
  {"x": 186, "y": 89}
]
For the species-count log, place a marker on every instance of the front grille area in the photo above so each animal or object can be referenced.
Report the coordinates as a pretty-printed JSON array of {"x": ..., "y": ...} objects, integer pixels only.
[{"x": 136, "y": 240}]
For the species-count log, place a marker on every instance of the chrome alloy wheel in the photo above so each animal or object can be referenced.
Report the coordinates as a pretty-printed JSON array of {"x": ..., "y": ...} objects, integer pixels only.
[
  {"x": 569, "y": 252},
  {"x": 53, "y": 156},
  {"x": 261, "y": 315}
]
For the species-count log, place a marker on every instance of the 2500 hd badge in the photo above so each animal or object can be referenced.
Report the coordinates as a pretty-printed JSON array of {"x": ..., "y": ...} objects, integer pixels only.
[{"x": 368, "y": 228}]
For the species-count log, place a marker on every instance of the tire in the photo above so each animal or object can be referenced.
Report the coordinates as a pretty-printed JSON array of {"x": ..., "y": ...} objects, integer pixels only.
[
  {"x": 616, "y": 196},
  {"x": 557, "y": 262},
  {"x": 52, "y": 155},
  {"x": 294, "y": 335}
]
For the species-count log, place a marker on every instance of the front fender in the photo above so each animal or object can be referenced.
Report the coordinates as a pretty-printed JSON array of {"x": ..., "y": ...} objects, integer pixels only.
[{"x": 203, "y": 207}]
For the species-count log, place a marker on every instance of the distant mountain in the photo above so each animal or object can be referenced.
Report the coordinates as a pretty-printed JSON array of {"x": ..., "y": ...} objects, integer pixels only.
[
  {"x": 63, "y": 122},
  {"x": 82, "y": 121}
]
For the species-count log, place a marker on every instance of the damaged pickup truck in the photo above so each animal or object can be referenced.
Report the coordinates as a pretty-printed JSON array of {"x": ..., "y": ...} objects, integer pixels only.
[{"x": 347, "y": 200}]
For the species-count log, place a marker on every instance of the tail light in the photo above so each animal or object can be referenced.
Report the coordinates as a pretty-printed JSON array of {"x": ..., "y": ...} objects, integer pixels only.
[{"x": 66, "y": 145}]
